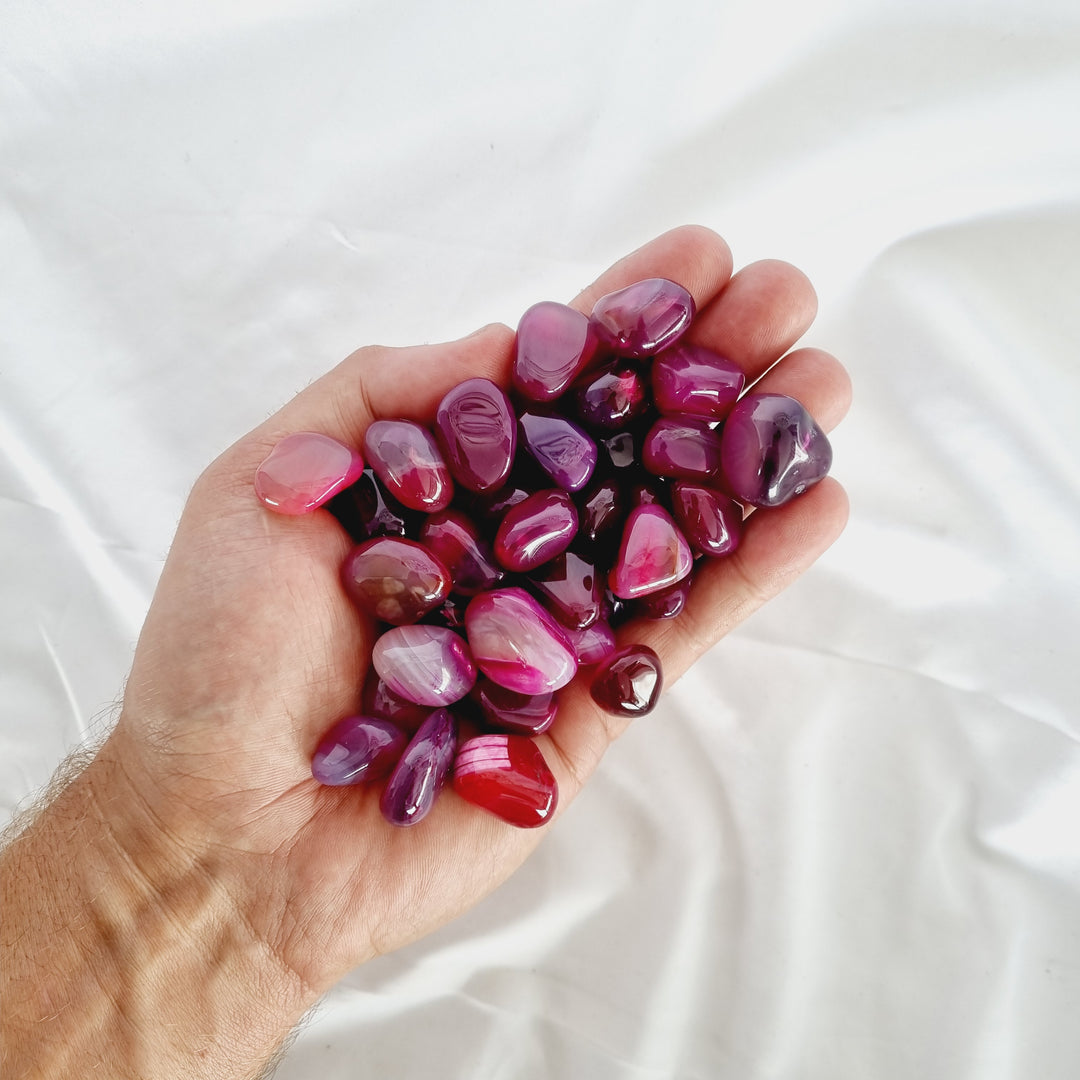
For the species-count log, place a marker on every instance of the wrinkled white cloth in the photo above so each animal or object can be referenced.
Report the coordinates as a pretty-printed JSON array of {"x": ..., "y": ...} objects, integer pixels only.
[{"x": 846, "y": 846}]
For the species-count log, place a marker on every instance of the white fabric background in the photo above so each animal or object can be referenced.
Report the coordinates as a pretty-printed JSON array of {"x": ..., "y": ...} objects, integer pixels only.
[{"x": 845, "y": 847}]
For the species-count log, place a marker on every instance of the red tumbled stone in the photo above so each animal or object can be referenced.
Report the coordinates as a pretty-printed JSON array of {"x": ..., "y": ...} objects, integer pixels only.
[{"x": 508, "y": 776}]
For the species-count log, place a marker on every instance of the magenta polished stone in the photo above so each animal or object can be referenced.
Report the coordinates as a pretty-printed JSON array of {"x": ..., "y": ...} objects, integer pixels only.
[
  {"x": 517, "y": 644},
  {"x": 613, "y": 398},
  {"x": 407, "y": 460},
  {"x": 711, "y": 521},
  {"x": 430, "y": 665},
  {"x": 456, "y": 541},
  {"x": 560, "y": 448},
  {"x": 772, "y": 450},
  {"x": 476, "y": 429},
  {"x": 570, "y": 589},
  {"x": 681, "y": 447},
  {"x": 554, "y": 342},
  {"x": 379, "y": 700},
  {"x": 643, "y": 318},
  {"x": 536, "y": 530},
  {"x": 395, "y": 580},
  {"x": 600, "y": 508},
  {"x": 690, "y": 380},
  {"x": 593, "y": 643},
  {"x": 422, "y": 771},
  {"x": 507, "y": 776},
  {"x": 305, "y": 470},
  {"x": 665, "y": 603},
  {"x": 628, "y": 683},
  {"x": 357, "y": 750},
  {"x": 653, "y": 554},
  {"x": 521, "y": 714}
]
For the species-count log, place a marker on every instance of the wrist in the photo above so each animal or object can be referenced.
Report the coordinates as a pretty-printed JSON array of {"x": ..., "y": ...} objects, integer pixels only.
[{"x": 128, "y": 951}]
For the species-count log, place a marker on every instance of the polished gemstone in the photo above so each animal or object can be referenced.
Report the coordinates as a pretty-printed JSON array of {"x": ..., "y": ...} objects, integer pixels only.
[
  {"x": 508, "y": 776},
  {"x": 356, "y": 750},
  {"x": 379, "y": 700},
  {"x": 570, "y": 589},
  {"x": 643, "y": 318},
  {"x": 430, "y": 665},
  {"x": 395, "y": 580},
  {"x": 711, "y": 521},
  {"x": 653, "y": 555},
  {"x": 422, "y": 770},
  {"x": 407, "y": 460},
  {"x": 616, "y": 395},
  {"x": 593, "y": 643},
  {"x": 536, "y": 530},
  {"x": 689, "y": 380},
  {"x": 517, "y": 644},
  {"x": 456, "y": 541},
  {"x": 554, "y": 342},
  {"x": 560, "y": 448},
  {"x": 772, "y": 450},
  {"x": 628, "y": 683},
  {"x": 476, "y": 429},
  {"x": 601, "y": 508},
  {"x": 521, "y": 714},
  {"x": 305, "y": 470},
  {"x": 681, "y": 447},
  {"x": 665, "y": 603}
]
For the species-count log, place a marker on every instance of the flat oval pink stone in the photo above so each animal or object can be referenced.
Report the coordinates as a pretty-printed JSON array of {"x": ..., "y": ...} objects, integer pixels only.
[
  {"x": 305, "y": 470},
  {"x": 653, "y": 555},
  {"x": 517, "y": 644},
  {"x": 536, "y": 530},
  {"x": 554, "y": 342},
  {"x": 478, "y": 434},
  {"x": 643, "y": 318},
  {"x": 406, "y": 459},
  {"x": 394, "y": 579},
  {"x": 429, "y": 665}
]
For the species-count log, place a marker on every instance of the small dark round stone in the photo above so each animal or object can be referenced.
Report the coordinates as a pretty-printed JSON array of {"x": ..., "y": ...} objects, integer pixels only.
[{"x": 628, "y": 683}]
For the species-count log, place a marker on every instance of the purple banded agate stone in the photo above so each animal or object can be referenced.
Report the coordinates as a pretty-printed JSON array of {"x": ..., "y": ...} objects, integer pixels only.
[
  {"x": 554, "y": 342},
  {"x": 430, "y": 665},
  {"x": 507, "y": 776},
  {"x": 681, "y": 447},
  {"x": 711, "y": 521},
  {"x": 536, "y": 530},
  {"x": 357, "y": 750},
  {"x": 305, "y": 470},
  {"x": 643, "y": 318},
  {"x": 560, "y": 448},
  {"x": 422, "y": 770},
  {"x": 628, "y": 683},
  {"x": 653, "y": 555},
  {"x": 520, "y": 714},
  {"x": 476, "y": 429},
  {"x": 455, "y": 540},
  {"x": 517, "y": 644},
  {"x": 772, "y": 450},
  {"x": 690, "y": 380},
  {"x": 395, "y": 580},
  {"x": 407, "y": 460}
]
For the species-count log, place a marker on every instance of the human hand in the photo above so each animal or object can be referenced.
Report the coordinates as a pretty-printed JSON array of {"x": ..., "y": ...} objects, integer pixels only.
[{"x": 251, "y": 648}]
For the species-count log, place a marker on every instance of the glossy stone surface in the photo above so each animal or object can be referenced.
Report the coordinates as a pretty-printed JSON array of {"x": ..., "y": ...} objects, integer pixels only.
[
  {"x": 379, "y": 700},
  {"x": 422, "y": 771},
  {"x": 305, "y": 470},
  {"x": 517, "y": 644},
  {"x": 406, "y": 459},
  {"x": 593, "y": 643},
  {"x": 536, "y": 530},
  {"x": 520, "y": 714},
  {"x": 507, "y": 776},
  {"x": 643, "y": 318},
  {"x": 681, "y": 447},
  {"x": 653, "y": 554},
  {"x": 617, "y": 395},
  {"x": 570, "y": 589},
  {"x": 600, "y": 508},
  {"x": 560, "y": 448},
  {"x": 665, "y": 603},
  {"x": 690, "y": 380},
  {"x": 357, "y": 750},
  {"x": 430, "y": 665},
  {"x": 629, "y": 682},
  {"x": 477, "y": 432},
  {"x": 395, "y": 580},
  {"x": 456, "y": 541},
  {"x": 554, "y": 342},
  {"x": 772, "y": 450},
  {"x": 711, "y": 521}
]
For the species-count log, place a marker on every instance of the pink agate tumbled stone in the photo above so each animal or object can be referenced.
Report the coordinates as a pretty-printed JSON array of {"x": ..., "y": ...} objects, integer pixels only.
[
  {"x": 396, "y": 580},
  {"x": 681, "y": 446},
  {"x": 406, "y": 459},
  {"x": 690, "y": 380},
  {"x": 430, "y": 665},
  {"x": 517, "y": 644},
  {"x": 520, "y": 714},
  {"x": 643, "y": 318},
  {"x": 536, "y": 530},
  {"x": 593, "y": 643},
  {"x": 710, "y": 520},
  {"x": 305, "y": 470},
  {"x": 508, "y": 776},
  {"x": 477, "y": 431},
  {"x": 357, "y": 750},
  {"x": 554, "y": 342},
  {"x": 653, "y": 555},
  {"x": 422, "y": 771}
]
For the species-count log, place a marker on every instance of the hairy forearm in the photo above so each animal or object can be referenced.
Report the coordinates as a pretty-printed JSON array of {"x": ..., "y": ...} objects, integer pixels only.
[{"x": 125, "y": 956}]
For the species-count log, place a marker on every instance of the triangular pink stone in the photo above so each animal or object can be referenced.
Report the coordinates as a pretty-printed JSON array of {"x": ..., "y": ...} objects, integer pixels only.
[{"x": 653, "y": 555}]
